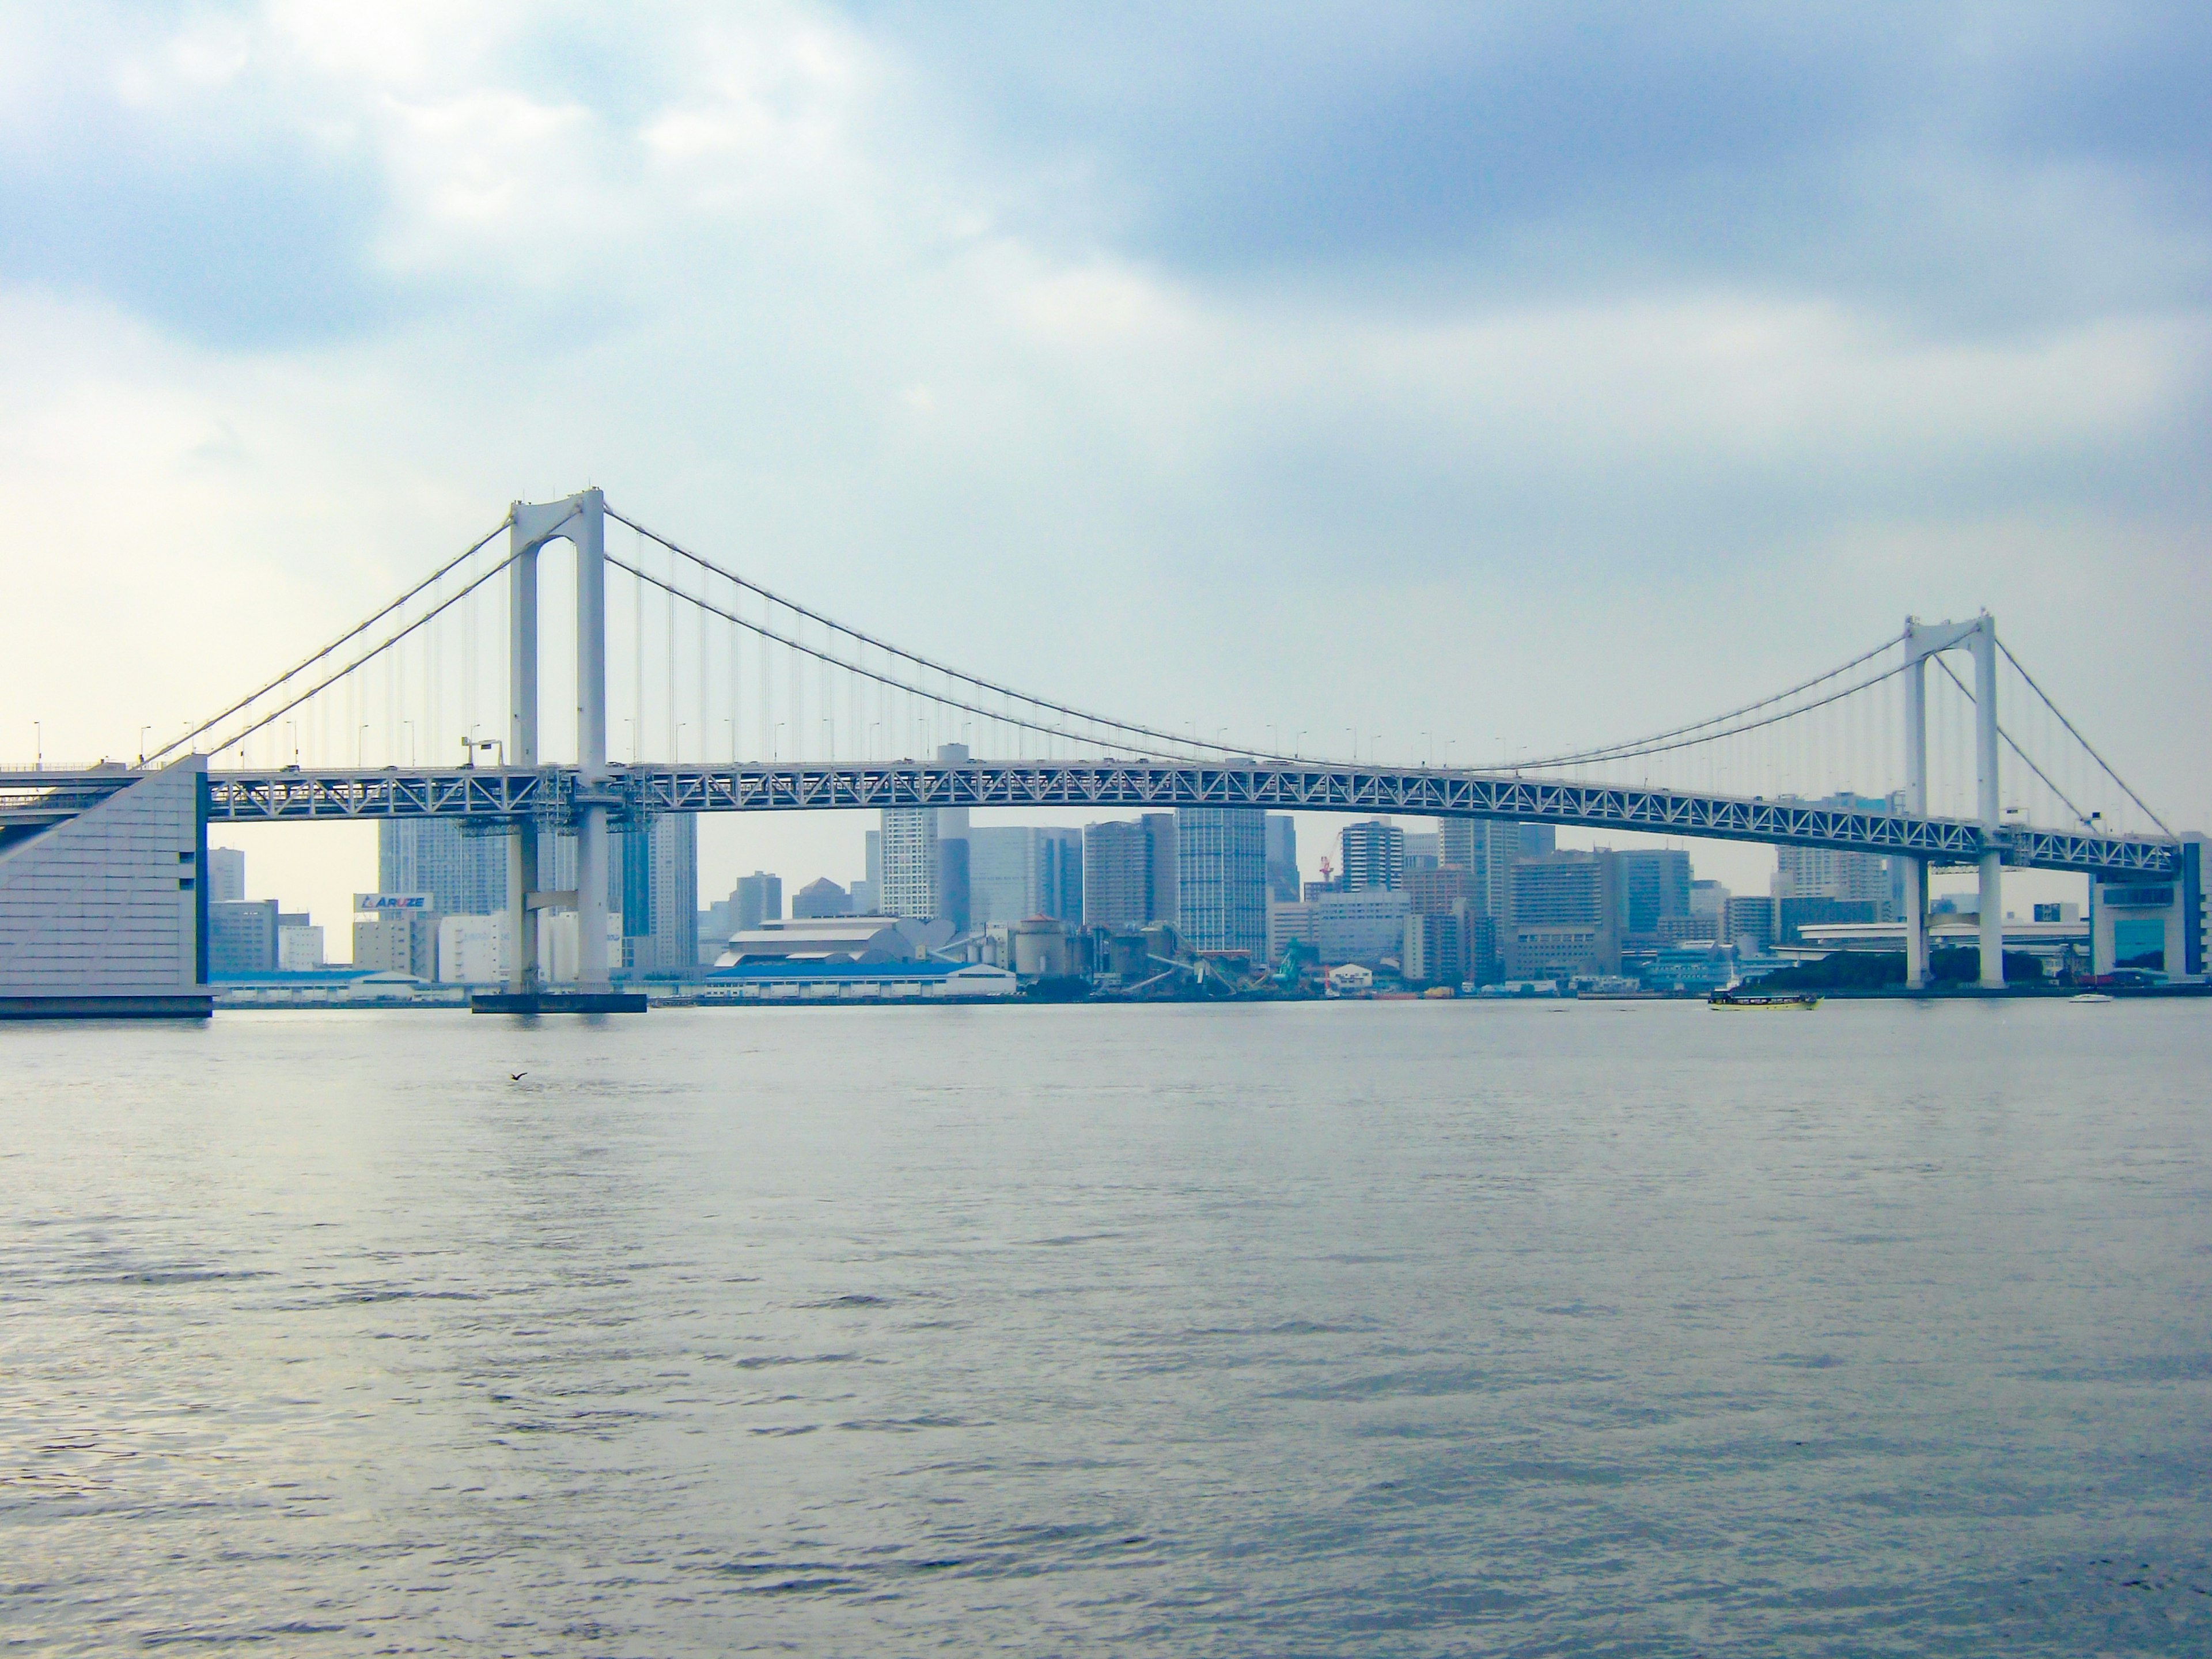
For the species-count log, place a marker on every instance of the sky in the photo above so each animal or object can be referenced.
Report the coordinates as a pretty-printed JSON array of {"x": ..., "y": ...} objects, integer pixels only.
[{"x": 1484, "y": 375}]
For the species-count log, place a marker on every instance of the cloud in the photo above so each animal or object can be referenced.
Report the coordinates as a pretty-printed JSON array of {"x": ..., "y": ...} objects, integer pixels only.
[{"x": 1483, "y": 372}]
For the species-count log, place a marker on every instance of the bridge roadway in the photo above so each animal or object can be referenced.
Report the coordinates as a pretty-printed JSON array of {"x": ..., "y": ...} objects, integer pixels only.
[{"x": 550, "y": 795}]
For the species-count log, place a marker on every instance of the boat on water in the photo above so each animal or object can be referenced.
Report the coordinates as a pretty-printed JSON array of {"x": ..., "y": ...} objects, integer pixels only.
[
  {"x": 2090, "y": 996},
  {"x": 1764, "y": 1000}
]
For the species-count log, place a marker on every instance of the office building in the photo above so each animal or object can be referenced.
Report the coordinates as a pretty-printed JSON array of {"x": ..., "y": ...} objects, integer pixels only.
[
  {"x": 1016, "y": 872},
  {"x": 1424, "y": 849},
  {"x": 1486, "y": 848},
  {"x": 1709, "y": 899},
  {"x": 478, "y": 950},
  {"x": 1436, "y": 946},
  {"x": 653, "y": 878},
  {"x": 241, "y": 939},
  {"x": 465, "y": 874},
  {"x": 819, "y": 898},
  {"x": 1566, "y": 916},
  {"x": 226, "y": 876},
  {"x": 1282, "y": 858},
  {"x": 861, "y": 898},
  {"x": 1368, "y": 927},
  {"x": 1862, "y": 883},
  {"x": 1436, "y": 891},
  {"x": 1749, "y": 919},
  {"x": 907, "y": 885},
  {"x": 1538, "y": 841},
  {"x": 955, "y": 897},
  {"x": 756, "y": 898},
  {"x": 1221, "y": 878},
  {"x": 396, "y": 934},
  {"x": 1656, "y": 884},
  {"x": 1288, "y": 919},
  {"x": 1128, "y": 872},
  {"x": 299, "y": 944},
  {"x": 1374, "y": 856}
]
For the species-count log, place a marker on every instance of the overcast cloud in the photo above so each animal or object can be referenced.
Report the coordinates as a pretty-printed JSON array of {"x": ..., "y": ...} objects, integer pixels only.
[{"x": 1517, "y": 373}]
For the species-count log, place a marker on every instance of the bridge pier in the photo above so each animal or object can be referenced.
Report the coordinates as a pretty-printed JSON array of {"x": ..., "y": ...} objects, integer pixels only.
[{"x": 1916, "y": 924}]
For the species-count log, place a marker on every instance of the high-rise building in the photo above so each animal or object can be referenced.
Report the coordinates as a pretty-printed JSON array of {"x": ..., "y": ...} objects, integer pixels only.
[
  {"x": 1018, "y": 872},
  {"x": 1436, "y": 892},
  {"x": 756, "y": 898},
  {"x": 1221, "y": 878},
  {"x": 1424, "y": 849},
  {"x": 653, "y": 879},
  {"x": 1374, "y": 856},
  {"x": 1656, "y": 886},
  {"x": 955, "y": 895},
  {"x": 1852, "y": 878},
  {"x": 907, "y": 883},
  {"x": 1566, "y": 915},
  {"x": 1486, "y": 848},
  {"x": 1128, "y": 872},
  {"x": 1367, "y": 926},
  {"x": 1707, "y": 899},
  {"x": 241, "y": 939},
  {"x": 1748, "y": 918},
  {"x": 226, "y": 876},
  {"x": 1282, "y": 858},
  {"x": 465, "y": 874}
]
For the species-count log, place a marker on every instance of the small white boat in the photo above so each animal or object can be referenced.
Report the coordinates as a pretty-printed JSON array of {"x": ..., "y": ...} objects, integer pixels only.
[{"x": 2090, "y": 996}]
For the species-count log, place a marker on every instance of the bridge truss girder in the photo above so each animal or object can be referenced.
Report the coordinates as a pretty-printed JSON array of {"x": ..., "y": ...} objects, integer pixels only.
[{"x": 554, "y": 794}]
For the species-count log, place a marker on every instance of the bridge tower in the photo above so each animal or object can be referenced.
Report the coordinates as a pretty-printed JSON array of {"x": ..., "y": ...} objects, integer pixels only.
[
  {"x": 1922, "y": 641},
  {"x": 581, "y": 521}
]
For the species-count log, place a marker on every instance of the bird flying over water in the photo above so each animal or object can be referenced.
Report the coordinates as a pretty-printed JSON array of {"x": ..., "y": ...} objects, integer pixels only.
[{"x": 516, "y": 1076}]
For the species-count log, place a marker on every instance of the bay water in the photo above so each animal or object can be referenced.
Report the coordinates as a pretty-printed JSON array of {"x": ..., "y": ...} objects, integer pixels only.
[{"x": 1308, "y": 1328}]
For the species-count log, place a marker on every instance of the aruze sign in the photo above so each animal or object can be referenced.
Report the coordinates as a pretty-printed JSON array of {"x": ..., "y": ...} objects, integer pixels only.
[{"x": 391, "y": 901}]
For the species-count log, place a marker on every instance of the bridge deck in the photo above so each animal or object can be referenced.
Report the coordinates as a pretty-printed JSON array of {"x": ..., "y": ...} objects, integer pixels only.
[{"x": 550, "y": 795}]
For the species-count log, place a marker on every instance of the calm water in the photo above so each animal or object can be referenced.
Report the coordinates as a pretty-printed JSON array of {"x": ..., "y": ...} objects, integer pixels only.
[{"x": 1322, "y": 1329}]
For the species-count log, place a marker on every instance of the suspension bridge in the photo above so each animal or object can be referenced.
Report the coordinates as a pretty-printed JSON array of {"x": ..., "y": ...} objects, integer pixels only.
[{"x": 729, "y": 697}]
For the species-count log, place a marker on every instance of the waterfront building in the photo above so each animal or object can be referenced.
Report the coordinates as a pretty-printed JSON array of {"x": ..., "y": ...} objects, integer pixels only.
[
  {"x": 226, "y": 876},
  {"x": 653, "y": 879},
  {"x": 1435, "y": 949},
  {"x": 1017, "y": 871},
  {"x": 476, "y": 950},
  {"x": 1486, "y": 848},
  {"x": 1566, "y": 916},
  {"x": 1282, "y": 857},
  {"x": 241, "y": 938},
  {"x": 822, "y": 938},
  {"x": 1656, "y": 886},
  {"x": 465, "y": 874},
  {"x": 771, "y": 979},
  {"x": 1749, "y": 919},
  {"x": 820, "y": 897},
  {"x": 396, "y": 934},
  {"x": 1221, "y": 878},
  {"x": 1368, "y": 927},
  {"x": 1128, "y": 872},
  {"x": 1298, "y": 919},
  {"x": 1374, "y": 855},
  {"x": 299, "y": 944},
  {"x": 756, "y": 898},
  {"x": 909, "y": 863}
]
